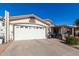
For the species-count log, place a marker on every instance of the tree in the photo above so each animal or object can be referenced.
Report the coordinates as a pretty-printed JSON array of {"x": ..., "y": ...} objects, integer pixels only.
[{"x": 77, "y": 22}]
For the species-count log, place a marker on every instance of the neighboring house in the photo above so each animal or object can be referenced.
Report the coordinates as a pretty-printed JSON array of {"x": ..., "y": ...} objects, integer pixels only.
[
  {"x": 1, "y": 30},
  {"x": 1, "y": 27},
  {"x": 26, "y": 27}
]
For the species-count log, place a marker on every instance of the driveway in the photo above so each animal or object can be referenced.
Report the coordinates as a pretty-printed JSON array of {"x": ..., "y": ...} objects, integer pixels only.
[{"x": 45, "y": 47}]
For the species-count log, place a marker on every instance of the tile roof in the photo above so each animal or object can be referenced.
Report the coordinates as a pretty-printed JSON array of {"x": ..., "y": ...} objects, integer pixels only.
[{"x": 13, "y": 18}]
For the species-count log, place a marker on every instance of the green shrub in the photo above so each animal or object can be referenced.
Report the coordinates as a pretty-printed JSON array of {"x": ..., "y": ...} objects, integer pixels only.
[{"x": 71, "y": 41}]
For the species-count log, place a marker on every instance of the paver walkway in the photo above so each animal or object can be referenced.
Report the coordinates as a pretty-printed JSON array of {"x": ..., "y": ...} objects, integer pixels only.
[{"x": 45, "y": 47}]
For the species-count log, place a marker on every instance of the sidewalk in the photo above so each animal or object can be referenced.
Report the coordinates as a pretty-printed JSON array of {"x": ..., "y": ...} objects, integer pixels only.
[{"x": 3, "y": 47}]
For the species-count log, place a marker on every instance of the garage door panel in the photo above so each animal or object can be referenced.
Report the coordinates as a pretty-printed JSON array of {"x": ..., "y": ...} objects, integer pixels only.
[{"x": 28, "y": 33}]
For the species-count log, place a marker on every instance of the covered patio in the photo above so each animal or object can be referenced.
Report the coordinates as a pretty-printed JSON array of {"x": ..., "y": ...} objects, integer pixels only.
[
  {"x": 58, "y": 31},
  {"x": 76, "y": 28}
]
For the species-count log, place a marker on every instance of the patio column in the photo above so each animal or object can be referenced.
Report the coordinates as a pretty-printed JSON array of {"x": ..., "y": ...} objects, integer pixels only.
[
  {"x": 62, "y": 32},
  {"x": 49, "y": 29},
  {"x": 73, "y": 31},
  {"x": 46, "y": 32},
  {"x": 7, "y": 27}
]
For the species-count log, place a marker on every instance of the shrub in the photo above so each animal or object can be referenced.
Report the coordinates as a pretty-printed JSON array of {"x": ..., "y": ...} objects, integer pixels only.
[{"x": 71, "y": 41}]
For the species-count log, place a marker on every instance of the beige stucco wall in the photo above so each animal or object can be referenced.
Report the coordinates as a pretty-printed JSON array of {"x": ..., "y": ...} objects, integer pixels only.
[{"x": 27, "y": 21}]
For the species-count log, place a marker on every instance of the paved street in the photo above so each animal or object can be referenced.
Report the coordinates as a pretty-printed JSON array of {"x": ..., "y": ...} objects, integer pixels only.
[{"x": 48, "y": 47}]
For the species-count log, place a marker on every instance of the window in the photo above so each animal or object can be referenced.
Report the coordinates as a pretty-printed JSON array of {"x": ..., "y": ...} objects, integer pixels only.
[
  {"x": 26, "y": 26},
  {"x": 37, "y": 27},
  {"x": 21, "y": 26},
  {"x": 40, "y": 27}
]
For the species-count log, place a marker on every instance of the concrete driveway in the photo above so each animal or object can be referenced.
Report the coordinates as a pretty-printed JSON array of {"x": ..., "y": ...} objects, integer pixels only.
[{"x": 45, "y": 47}]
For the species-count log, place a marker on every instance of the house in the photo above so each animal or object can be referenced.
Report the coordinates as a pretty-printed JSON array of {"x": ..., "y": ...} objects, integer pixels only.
[
  {"x": 28, "y": 27},
  {"x": 1, "y": 30},
  {"x": 1, "y": 27},
  {"x": 23, "y": 27}
]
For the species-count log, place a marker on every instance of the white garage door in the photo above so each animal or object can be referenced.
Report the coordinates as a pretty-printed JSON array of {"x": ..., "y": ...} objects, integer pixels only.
[{"x": 29, "y": 32}]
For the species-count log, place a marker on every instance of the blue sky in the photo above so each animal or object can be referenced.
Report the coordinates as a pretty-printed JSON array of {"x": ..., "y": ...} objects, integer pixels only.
[{"x": 58, "y": 13}]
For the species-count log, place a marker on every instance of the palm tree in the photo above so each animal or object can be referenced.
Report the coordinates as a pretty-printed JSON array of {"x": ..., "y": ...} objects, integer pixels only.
[{"x": 77, "y": 22}]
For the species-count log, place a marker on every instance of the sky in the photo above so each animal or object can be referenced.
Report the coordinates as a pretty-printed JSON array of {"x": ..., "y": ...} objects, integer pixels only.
[{"x": 59, "y": 13}]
